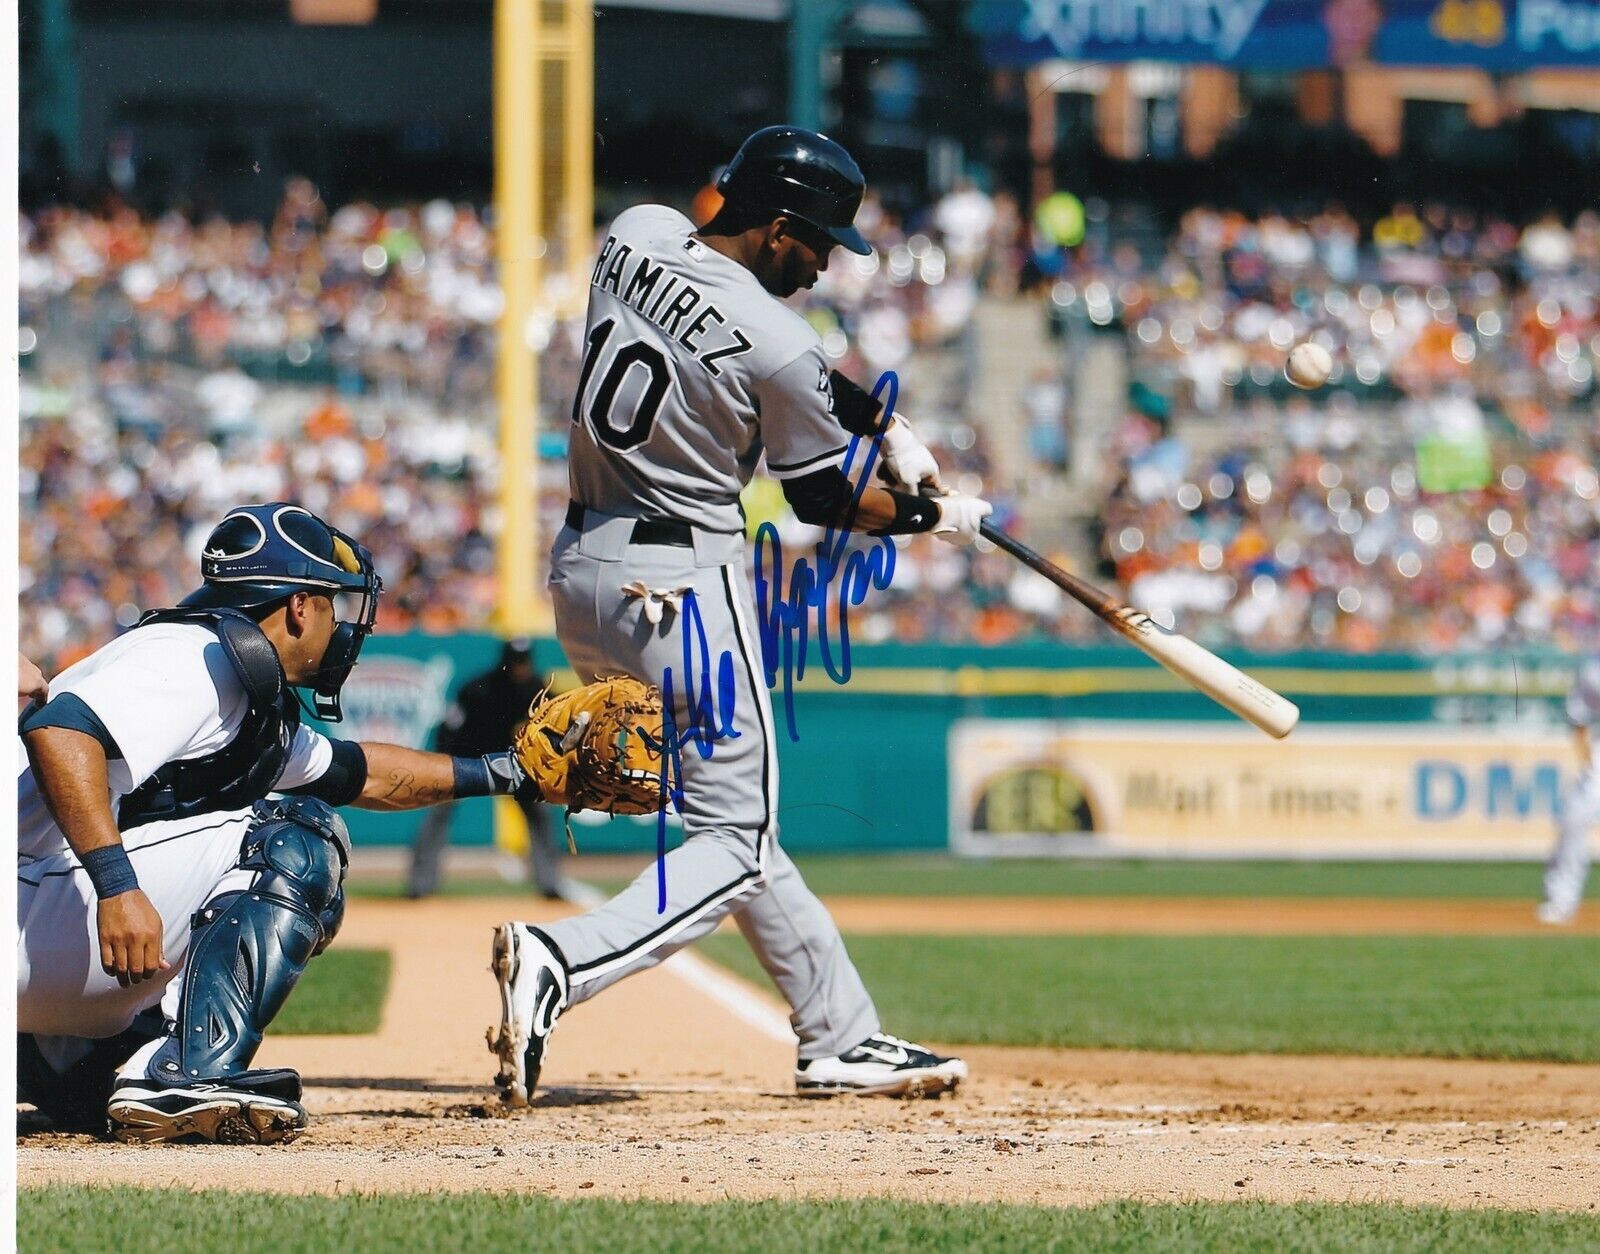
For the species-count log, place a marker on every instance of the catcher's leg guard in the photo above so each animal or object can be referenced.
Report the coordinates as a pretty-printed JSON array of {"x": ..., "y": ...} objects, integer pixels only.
[{"x": 248, "y": 952}]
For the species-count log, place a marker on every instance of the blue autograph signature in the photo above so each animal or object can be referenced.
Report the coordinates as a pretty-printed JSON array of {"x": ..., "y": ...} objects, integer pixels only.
[
  {"x": 785, "y": 630},
  {"x": 785, "y": 614},
  {"x": 710, "y": 720}
]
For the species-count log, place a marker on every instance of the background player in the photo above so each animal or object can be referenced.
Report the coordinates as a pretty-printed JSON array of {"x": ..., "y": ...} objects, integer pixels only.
[
  {"x": 694, "y": 370},
  {"x": 1568, "y": 869},
  {"x": 136, "y": 813},
  {"x": 482, "y": 719}
]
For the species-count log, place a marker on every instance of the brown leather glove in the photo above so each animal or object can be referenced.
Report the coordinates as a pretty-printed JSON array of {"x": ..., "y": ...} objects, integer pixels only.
[{"x": 597, "y": 747}]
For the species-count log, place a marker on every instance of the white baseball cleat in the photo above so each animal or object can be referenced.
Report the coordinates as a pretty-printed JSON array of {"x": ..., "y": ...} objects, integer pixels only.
[
  {"x": 881, "y": 1065},
  {"x": 1556, "y": 913},
  {"x": 533, "y": 993}
]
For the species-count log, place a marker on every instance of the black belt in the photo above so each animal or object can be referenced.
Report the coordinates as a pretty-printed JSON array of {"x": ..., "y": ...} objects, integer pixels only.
[{"x": 645, "y": 530}]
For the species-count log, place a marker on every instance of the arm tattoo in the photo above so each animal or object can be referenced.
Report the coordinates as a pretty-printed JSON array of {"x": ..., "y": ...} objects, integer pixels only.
[{"x": 404, "y": 792}]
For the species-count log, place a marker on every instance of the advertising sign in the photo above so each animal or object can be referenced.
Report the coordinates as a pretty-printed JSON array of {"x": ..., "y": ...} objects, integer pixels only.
[
  {"x": 396, "y": 699},
  {"x": 1294, "y": 34},
  {"x": 1035, "y": 788}
]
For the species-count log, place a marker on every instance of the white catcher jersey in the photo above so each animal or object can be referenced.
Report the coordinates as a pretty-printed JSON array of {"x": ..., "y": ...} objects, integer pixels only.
[
  {"x": 691, "y": 370},
  {"x": 164, "y": 692}
]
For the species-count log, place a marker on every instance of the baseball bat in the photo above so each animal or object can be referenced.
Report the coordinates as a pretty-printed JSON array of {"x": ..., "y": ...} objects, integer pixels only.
[{"x": 1227, "y": 685}]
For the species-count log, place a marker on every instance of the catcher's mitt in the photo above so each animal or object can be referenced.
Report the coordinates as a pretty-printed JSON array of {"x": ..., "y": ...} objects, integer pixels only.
[{"x": 597, "y": 747}]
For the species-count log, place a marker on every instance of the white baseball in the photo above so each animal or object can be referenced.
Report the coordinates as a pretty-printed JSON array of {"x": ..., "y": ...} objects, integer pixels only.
[{"x": 1309, "y": 365}]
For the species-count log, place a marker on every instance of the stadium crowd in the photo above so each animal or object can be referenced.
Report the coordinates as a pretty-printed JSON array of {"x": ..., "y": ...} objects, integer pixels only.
[
  {"x": 154, "y": 348},
  {"x": 1284, "y": 541},
  {"x": 1431, "y": 306},
  {"x": 1316, "y": 525},
  {"x": 403, "y": 299}
]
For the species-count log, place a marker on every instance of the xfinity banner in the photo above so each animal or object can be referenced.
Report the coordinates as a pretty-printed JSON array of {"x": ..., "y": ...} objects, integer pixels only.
[{"x": 1294, "y": 34}]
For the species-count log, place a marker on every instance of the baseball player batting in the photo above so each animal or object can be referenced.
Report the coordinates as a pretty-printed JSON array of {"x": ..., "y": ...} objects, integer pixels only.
[
  {"x": 694, "y": 370},
  {"x": 164, "y": 910}
]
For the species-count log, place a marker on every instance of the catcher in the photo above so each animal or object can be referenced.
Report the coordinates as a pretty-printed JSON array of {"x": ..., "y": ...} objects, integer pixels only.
[{"x": 165, "y": 908}]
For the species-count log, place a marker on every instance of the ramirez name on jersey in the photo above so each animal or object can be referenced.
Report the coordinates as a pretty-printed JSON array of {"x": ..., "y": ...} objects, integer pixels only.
[
  {"x": 668, "y": 300},
  {"x": 691, "y": 373}
]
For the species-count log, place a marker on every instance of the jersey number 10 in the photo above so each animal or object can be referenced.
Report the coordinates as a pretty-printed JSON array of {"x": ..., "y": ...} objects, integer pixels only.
[{"x": 657, "y": 377}]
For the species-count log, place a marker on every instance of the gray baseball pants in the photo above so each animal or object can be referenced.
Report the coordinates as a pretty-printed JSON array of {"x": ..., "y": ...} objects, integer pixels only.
[{"x": 730, "y": 861}]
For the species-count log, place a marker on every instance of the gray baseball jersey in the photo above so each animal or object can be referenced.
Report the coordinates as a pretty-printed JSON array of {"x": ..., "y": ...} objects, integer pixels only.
[{"x": 690, "y": 371}]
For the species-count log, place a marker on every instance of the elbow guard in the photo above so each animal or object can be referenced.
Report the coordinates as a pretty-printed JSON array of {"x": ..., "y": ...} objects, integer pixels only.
[
  {"x": 857, "y": 412},
  {"x": 820, "y": 497}
]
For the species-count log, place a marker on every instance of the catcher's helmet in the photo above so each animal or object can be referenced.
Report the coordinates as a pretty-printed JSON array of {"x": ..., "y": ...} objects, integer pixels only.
[
  {"x": 800, "y": 174},
  {"x": 261, "y": 554}
]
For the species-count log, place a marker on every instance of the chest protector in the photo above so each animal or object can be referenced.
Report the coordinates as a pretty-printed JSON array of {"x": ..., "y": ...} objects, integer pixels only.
[{"x": 244, "y": 770}]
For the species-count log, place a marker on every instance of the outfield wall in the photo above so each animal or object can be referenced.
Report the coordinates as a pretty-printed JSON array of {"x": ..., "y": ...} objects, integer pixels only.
[{"x": 1472, "y": 752}]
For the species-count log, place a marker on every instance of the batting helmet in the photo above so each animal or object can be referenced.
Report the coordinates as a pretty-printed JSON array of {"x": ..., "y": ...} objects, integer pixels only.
[
  {"x": 800, "y": 174},
  {"x": 260, "y": 554}
]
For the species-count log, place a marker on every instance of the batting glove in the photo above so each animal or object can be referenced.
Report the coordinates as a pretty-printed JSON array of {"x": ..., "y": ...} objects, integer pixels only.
[
  {"x": 960, "y": 517},
  {"x": 907, "y": 460}
]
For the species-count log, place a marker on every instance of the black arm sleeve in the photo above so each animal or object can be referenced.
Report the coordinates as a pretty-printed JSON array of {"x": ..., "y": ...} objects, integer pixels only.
[
  {"x": 344, "y": 779},
  {"x": 69, "y": 711},
  {"x": 821, "y": 498},
  {"x": 853, "y": 406}
]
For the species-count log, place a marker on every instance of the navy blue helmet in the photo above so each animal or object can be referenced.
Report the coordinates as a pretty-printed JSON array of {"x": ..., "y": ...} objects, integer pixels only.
[{"x": 261, "y": 554}]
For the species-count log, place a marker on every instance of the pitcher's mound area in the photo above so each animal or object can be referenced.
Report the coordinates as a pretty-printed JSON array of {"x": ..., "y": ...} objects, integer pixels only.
[{"x": 677, "y": 1084}]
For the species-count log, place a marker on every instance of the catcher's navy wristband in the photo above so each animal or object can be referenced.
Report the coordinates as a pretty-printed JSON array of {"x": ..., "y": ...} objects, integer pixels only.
[
  {"x": 492, "y": 775},
  {"x": 110, "y": 871}
]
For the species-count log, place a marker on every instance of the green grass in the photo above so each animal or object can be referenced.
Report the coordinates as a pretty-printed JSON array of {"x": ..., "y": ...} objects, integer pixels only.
[
  {"x": 392, "y": 889},
  {"x": 132, "y": 1221},
  {"x": 930, "y": 876},
  {"x": 1458, "y": 997},
  {"x": 341, "y": 994},
  {"x": 936, "y": 875}
]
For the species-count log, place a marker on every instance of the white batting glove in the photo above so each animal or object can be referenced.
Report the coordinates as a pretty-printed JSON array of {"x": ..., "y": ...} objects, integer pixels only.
[
  {"x": 960, "y": 517},
  {"x": 907, "y": 459}
]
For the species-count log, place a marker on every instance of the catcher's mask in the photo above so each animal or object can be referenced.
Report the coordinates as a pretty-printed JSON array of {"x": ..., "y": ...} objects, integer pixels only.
[{"x": 262, "y": 554}]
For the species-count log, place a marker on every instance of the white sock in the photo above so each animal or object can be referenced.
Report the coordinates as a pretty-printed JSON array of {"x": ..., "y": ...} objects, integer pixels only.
[{"x": 137, "y": 1067}]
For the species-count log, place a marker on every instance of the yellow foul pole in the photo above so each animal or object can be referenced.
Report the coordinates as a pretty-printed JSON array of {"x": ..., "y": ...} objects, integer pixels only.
[
  {"x": 578, "y": 148},
  {"x": 517, "y": 165}
]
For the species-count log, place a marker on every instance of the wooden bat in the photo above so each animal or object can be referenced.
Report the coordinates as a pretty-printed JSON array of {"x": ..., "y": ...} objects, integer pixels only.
[{"x": 1227, "y": 685}]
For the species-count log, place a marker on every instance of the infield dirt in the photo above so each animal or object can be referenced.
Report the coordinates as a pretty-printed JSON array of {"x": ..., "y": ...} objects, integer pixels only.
[{"x": 662, "y": 1089}]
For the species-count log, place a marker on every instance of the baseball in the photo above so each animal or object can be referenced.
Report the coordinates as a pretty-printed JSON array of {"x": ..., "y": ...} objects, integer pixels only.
[{"x": 1309, "y": 365}]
